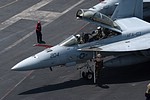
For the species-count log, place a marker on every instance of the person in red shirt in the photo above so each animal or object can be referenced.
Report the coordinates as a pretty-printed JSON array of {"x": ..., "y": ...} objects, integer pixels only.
[{"x": 38, "y": 32}]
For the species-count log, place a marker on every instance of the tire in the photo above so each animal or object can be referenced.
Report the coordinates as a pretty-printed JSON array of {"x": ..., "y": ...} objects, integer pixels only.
[{"x": 89, "y": 75}]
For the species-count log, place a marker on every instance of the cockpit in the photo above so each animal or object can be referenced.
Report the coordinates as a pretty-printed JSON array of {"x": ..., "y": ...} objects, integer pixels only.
[
  {"x": 72, "y": 40},
  {"x": 98, "y": 34}
]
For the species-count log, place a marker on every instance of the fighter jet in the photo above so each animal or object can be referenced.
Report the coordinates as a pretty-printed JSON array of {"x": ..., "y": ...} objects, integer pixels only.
[
  {"x": 107, "y": 7},
  {"x": 128, "y": 41}
]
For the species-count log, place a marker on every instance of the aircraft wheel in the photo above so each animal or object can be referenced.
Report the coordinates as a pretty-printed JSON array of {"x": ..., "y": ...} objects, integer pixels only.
[{"x": 89, "y": 75}]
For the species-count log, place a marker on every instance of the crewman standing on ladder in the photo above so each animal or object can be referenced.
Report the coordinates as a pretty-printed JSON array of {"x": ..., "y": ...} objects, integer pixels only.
[{"x": 98, "y": 68}]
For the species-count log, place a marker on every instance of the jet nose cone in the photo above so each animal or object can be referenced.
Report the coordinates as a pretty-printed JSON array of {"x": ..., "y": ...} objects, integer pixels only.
[
  {"x": 14, "y": 68},
  {"x": 27, "y": 64},
  {"x": 18, "y": 67}
]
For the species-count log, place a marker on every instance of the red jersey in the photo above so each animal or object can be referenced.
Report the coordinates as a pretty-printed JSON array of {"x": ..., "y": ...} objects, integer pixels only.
[{"x": 38, "y": 27}]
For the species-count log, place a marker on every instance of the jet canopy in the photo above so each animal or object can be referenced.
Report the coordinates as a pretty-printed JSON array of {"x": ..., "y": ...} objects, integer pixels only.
[{"x": 72, "y": 40}]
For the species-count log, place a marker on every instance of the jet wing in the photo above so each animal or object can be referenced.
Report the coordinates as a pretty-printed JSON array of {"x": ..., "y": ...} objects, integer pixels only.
[
  {"x": 135, "y": 44},
  {"x": 133, "y": 23},
  {"x": 130, "y": 45}
]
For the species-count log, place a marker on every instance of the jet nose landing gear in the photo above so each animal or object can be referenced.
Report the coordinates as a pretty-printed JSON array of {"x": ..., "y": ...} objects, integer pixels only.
[{"x": 86, "y": 71}]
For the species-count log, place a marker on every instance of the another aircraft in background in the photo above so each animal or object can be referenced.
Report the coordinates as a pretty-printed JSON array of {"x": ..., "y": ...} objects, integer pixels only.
[
  {"x": 107, "y": 7},
  {"x": 128, "y": 41}
]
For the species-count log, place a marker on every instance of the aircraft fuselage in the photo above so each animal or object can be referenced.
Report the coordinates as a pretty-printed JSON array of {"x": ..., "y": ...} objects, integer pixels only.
[{"x": 69, "y": 53}]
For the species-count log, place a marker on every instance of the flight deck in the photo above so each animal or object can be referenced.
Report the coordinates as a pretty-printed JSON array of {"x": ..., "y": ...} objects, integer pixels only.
[{"x": 17, "y": 36}]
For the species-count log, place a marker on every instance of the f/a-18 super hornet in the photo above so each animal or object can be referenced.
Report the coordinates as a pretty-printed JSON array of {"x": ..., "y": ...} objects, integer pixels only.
[
  {"x": 127, "y": 41},
  {"x": 107, "y": 7}
]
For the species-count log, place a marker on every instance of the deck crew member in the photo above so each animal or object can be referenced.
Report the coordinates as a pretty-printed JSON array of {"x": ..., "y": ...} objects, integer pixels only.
[
  {"x": 147, "y": 93},
  {"x": 38, "y": 32},
  {"x": 98, "y": 68}
]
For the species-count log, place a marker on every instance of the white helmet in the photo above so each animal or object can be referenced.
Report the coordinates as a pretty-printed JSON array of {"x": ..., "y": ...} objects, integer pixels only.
[
  {"x": 78, "y": 35},
  {"x": 98, "y": 28},
  {"x": 99, "y": 55}
]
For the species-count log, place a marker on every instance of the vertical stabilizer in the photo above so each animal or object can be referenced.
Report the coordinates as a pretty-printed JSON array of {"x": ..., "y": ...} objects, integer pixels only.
[{"x": 129, "y": 8}]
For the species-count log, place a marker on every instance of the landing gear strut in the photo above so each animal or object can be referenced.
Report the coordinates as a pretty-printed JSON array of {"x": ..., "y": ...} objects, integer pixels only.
[
  {"x": 50, "y": 68},
  {"x": 87, "y": 71}
]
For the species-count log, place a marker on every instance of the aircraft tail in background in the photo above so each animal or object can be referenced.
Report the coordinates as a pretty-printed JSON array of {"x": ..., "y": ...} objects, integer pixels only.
[{"x": 128, "y": 8}]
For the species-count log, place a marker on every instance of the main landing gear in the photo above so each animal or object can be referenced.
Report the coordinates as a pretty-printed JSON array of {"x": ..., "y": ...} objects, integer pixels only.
[
  {"x": 87, "y": 75},
  {"x": 87, "y": 70}
]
